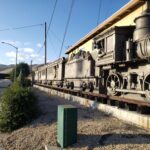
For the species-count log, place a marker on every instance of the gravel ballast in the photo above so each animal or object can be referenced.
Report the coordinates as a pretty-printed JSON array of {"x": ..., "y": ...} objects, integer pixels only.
[{"x": 96, "y": 130}]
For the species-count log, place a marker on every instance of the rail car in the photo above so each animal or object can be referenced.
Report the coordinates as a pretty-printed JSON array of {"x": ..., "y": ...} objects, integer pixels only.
[
  {"x": 80, "y": 72},
  {"x": 51, "y": 73},
  {"x": 118, "y": 65}
]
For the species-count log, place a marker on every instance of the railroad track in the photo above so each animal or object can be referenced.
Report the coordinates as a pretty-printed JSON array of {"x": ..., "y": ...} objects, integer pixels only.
[{"x": 142, "y": 107}]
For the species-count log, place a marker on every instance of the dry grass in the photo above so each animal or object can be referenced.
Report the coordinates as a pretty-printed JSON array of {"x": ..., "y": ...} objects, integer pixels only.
[{"x": 96, "y": 130}]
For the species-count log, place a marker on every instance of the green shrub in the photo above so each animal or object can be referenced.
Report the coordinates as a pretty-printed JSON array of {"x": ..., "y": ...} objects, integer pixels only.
[
  {"x": 17, "y": 107},
  {"x": 26, "y": 83},
  {"x": 21, "y": 67}
]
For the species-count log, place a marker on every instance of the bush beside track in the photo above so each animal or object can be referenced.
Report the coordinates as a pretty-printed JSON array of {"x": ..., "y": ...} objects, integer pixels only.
[{"x": 17, "y": 107}]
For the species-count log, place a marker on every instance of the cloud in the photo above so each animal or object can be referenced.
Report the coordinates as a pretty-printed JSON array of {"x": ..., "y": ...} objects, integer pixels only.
[
  {"x": 25, "y": 52},
  {"x": 39, "y": 45},
  {"x": 12, "y": 60},
  {"x": 28, "y": 50},
  {"x": 34, "y": 55},
  {"x": 27, "y": 43},
  {"x": 24, "y": 55},
  {"x": 11, "y": 54}
]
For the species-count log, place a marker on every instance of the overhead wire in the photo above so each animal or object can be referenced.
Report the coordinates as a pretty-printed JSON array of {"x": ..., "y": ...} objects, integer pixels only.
[
  {"x": 52, "y": 16},
  {"x": 99, "y": 11},
  {"x": 56, "y": 37},
  {"x": 50, "y": 22},
  {"x": 51, "y": 42},
  {"x": 24, "y": 27},
  {"x": 5, "y": 29},
  {"x": 21, "y": 27},
  {"x": 66, "y": 28},
  {"x": 39, "y": 50},
  {"x": 108, "y": 10}
]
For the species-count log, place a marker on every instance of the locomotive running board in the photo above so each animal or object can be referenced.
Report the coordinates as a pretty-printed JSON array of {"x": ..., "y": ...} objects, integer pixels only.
[{"x": 130, "y": 91}]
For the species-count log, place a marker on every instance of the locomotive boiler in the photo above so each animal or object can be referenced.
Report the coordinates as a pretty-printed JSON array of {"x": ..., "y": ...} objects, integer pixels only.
[{"x": 123, "y": 58}]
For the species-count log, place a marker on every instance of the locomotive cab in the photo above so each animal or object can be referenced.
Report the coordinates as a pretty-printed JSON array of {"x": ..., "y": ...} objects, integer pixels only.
[{"x": 111, "y": 45}]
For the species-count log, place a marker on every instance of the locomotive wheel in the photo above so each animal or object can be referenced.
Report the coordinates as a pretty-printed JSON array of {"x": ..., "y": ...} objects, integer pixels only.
[
  {"x": 113, "y": 82},
  {"x": 90, "y": 86},
  {"x": 67, "y": 85},
  {"x": 61, "y": 84},
  {"x": 83, "y": 86},
  {"x": 146, "y": 85},
  {"x": 72, "y": 85}
]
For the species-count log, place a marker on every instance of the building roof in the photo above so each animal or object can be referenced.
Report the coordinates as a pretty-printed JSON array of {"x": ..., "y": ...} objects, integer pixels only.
[{"x": 129, "y": 7}]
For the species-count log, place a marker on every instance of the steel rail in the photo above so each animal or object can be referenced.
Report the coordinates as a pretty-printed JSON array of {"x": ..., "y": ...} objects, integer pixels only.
[{"x": 137, "y": 102}]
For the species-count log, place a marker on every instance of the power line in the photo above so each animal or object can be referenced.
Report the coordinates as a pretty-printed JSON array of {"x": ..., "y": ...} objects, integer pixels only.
[
  {"x": 54, "y": 34},
  {"x": 30, "y": 26},
  {"x": 41, "y": 48},
  {"x": 99, "y": 11},
  {"x": 67, "y": 24},
  {"x": 51, "y": 42},
  {"x": 24, "y": 27},
  {"x": 37, "y": 52},
  {"x": 21, "y": 27},
  {"x": 108, "y": 10},
  {"x": 5, "y": 29},
  {"x": 51, "y": 19},
  {"x": 56, "y": 37}
]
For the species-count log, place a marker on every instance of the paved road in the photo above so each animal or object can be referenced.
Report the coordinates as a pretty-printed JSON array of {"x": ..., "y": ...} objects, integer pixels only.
[{"x": 4, "y": 83}]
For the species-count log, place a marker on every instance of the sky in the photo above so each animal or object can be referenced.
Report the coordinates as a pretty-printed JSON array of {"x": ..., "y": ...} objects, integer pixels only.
[{"x": 20, "y": 13}]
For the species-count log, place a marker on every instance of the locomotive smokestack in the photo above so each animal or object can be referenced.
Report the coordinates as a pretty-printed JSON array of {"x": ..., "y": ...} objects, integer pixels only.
[
  {"x": 143, "y": 23},
  {"x": 142, "y": 32},
  {"x": 148, "y": 5}
]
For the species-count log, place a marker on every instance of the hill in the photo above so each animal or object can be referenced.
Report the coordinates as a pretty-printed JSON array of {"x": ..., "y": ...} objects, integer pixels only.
[
  {"x": 2, "y": 66},
  {"x": 6, "y": 68}
]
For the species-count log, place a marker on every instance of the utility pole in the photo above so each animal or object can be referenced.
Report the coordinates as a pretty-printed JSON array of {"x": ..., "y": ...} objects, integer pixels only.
[
  {"x": 32, "y": 75},
  {"x": 31, "y": 67},
  {"x": 45, "y": 43}
]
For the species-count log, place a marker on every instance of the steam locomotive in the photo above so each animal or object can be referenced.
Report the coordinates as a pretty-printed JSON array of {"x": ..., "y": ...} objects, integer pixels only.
[{"x": 118, "y": 64}]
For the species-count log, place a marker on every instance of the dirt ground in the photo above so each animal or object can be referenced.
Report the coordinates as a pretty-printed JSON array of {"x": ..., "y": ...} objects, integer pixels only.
[{"x": 96, "y": 130}]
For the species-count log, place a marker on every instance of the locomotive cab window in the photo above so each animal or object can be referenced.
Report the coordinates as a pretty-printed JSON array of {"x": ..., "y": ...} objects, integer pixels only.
[
  {"x": 110, "y": 43},
  {"x": 101, "y": 47}
]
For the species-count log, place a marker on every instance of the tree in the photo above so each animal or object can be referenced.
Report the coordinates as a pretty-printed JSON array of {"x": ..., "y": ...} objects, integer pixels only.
[{"x": 21, "y": 67}]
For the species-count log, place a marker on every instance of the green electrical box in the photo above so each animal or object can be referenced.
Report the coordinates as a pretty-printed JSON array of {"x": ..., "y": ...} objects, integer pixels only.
[{"x": 66, "y": 125}]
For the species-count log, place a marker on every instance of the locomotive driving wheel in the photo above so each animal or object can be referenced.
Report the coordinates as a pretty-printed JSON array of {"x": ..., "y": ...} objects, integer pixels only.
[
  {"x": 113, "y": 82},
  {"x": 146, "y": 85}
]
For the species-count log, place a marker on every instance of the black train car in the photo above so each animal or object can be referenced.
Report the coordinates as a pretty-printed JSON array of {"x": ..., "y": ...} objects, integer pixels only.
[{"x": 123, "y": 58}]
